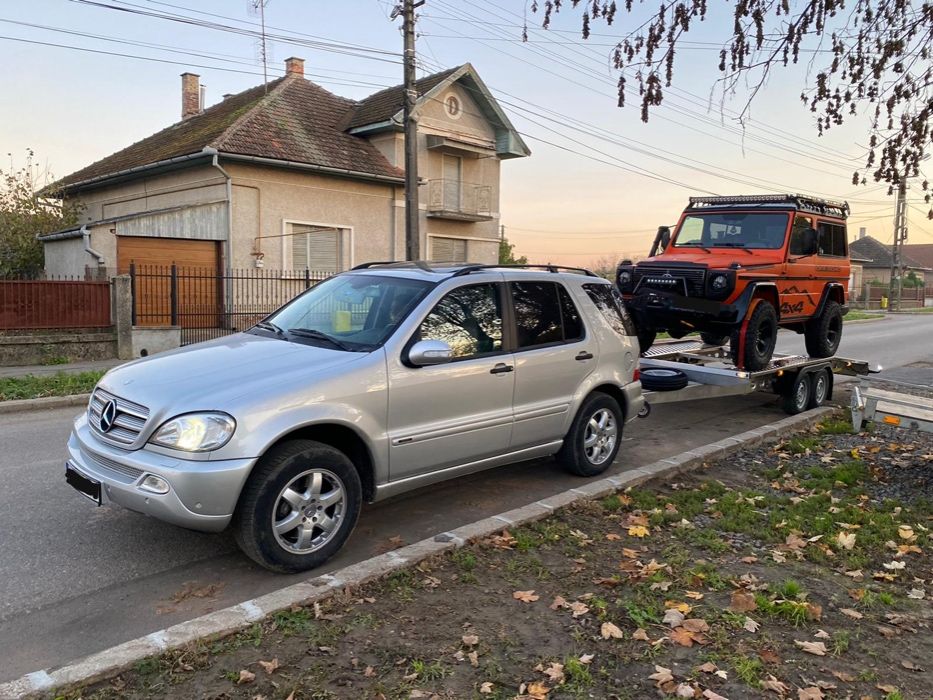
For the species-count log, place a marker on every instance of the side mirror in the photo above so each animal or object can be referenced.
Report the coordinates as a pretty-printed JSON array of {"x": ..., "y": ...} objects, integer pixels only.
[
  {"x": 665, "y": 233},
  {"x": 429, "y": 352},
  {"x": 810, "y": 241}
]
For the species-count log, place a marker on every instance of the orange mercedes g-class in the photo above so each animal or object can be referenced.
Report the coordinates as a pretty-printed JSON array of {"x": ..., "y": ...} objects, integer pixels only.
[{"x": 737, "y": 268}]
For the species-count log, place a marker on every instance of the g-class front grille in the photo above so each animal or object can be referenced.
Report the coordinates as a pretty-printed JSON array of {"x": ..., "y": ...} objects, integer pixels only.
[
  {"x": 681, "y": 280},
  {"x": 127, "y": 422}
]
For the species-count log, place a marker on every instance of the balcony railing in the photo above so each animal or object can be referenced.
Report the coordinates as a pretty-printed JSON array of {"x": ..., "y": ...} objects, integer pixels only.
[{"x": 463, "y": 201}]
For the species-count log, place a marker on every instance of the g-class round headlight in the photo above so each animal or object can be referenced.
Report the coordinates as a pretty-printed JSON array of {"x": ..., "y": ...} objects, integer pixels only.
[
  {"x": 195, "y": 432},
  {"x": 719, "y": 282},
  {"x": 625, "y": 277}
]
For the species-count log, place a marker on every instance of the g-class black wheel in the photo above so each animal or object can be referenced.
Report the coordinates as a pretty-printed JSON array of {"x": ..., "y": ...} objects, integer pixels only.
[
  {"x": 823, "y": 333},
  {"x": 714, "y": 338},
  {"x": 646, "y": 337},
  {"x": 752, "y": 342}
]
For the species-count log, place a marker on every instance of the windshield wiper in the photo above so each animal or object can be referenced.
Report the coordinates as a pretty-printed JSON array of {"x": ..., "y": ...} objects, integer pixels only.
[
  {"x": 695, "y": 245},
  {"x": 733, "y": 245},
  {"x": 269, "y": 326},
  {"x": 319, "y": 335}
]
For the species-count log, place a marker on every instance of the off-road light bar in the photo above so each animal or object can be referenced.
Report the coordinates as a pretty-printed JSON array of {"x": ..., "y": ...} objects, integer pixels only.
[{"x": 802, "y": 201}]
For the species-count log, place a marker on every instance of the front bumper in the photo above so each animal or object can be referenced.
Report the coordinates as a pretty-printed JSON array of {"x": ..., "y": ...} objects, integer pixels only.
[
  {"x": 202, "y": 495},
  {"x": 660, "y": 309}
]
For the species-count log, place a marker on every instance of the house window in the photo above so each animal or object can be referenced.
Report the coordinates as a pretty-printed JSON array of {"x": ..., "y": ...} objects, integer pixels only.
[
  {"x": 315, "y": 248},
  {"x": 453, "y": 182},
  {"x": 448, "y": 249},
  {"x": 452, "y": 106}
]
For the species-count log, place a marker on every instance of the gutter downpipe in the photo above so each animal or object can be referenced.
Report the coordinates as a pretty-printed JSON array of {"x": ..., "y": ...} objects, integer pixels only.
[
  {"x": 228, "y": 253},
  {"x": 86, "y": 235}
]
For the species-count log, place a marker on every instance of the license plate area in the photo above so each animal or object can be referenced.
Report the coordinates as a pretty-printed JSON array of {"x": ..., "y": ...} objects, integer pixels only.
[{"x": 87, "y": 487}]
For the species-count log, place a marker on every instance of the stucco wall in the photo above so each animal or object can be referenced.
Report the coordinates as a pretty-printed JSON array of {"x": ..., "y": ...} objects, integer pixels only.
[{"x": 67, "y": 258}]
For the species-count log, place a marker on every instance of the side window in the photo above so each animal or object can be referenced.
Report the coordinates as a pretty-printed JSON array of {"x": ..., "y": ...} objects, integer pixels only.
[
  {"x": 544, "y": 314},
  {"x": 469, "y": 319},
  {"x": 801, "y": 224},
  {"x": 832, "y": 239},
  {"x": 609, "y": 303}
]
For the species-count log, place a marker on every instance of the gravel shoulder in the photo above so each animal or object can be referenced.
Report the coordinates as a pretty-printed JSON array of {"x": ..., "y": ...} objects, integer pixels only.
[{"x": 800, "y": 570}]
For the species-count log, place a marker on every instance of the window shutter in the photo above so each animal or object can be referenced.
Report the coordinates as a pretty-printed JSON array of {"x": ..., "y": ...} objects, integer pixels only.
[
  {"x": 448, "y": 249},
  {"x": 314, "y": 249},
  {"x": 300, "y": 251}
]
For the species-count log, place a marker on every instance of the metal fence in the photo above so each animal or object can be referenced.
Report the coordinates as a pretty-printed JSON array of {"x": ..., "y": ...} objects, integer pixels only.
[
  {"x": 207, "y": 304},
  {"x": 54, "y": 302}
]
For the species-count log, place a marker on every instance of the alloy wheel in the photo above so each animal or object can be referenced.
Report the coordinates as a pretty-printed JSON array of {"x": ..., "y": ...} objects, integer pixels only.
[
  {"x": 599, "y": 439},
  {"x": 309, "y": 511}
]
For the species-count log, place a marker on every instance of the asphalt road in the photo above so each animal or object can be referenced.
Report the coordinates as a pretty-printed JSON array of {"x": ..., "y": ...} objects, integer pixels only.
[{"x": 75, "y": 579}]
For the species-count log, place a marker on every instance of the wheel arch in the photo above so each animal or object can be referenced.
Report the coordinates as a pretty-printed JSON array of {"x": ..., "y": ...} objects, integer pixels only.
[
  {"x": 767, "y": 291},
  {"x": 616, "y": 393},
  {"x": 833, "y": 291}
]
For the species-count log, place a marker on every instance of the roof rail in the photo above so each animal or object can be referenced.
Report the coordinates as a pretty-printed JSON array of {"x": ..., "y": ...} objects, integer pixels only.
[
  {"x": 801, "y": 201},
  {"x": 421, "y": 265},
  {"x": 550, "y": 268}
]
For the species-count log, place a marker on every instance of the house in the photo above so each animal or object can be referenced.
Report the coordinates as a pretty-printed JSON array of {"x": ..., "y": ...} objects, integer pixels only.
[
  {"x": 921, "y": 253},
  {"x": 875, "y": 259},
  {"x": 290, "y": 176}
]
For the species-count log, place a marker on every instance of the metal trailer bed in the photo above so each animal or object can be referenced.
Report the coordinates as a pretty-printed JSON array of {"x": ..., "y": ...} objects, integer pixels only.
[
  {"x": 891, "y": 408},
  {"x": 711, "y": 374}
]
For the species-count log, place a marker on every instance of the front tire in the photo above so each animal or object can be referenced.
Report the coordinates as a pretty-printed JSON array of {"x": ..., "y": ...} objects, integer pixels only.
[
  {"x": 298, "y": 507},
  {"x": 593, "y": 441},
  {"x": 752, "y": 342},
  {"x": 713, "y": 338},
  {"x": 823, "y": 333}
]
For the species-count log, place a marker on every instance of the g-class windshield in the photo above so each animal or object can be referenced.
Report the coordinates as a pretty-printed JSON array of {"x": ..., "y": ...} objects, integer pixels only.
[{"x": 727, "y": 230}]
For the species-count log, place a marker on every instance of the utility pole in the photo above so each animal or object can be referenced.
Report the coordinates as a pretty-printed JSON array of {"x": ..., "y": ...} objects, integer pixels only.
[
  {"x": 412, "y": 214},
  {"x": 897, "y": 250}
]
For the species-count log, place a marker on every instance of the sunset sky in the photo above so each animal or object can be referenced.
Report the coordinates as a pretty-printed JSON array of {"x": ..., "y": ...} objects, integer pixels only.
[{"x": 599, "y": 181}]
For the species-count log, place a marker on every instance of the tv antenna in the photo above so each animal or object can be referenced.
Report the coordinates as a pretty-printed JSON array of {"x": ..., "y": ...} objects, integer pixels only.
[{"x": 258, "y": 8}]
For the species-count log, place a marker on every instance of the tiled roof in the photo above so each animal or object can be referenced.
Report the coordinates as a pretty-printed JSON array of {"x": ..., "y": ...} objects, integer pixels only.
[
  {"x": 385, "y": 104},
  {"x": 921, "y": 252},
  {"x": 868, "y": 248},
  {"x": 292, "y": 119}
]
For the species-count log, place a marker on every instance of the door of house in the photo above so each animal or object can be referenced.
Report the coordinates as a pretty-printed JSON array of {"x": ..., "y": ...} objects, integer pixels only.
[
  {"x": 453, "y": 171},
  {"x": 199, "y": 292}
]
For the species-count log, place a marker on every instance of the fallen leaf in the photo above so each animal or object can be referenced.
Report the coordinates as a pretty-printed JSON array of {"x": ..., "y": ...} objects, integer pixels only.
[
  {"x": 579, "y": 608},
  {"x": 586, "y": 658},
  {"x": 856, "y": 593},
  {"x": 608, "y": 630},
  {"x": 537, "y": 690},
  {"x": 708, "y": 667},
  {"x": 846, "y": 540},
  {"x": 910, "y": 666},
  {"x": 629, "y": 553},
  {"x": 814, "y": 611},
  {"x": 742, "y": 602},
  {"x": 555, "y": 672},
  {"x": 638, "y": 531},
  {"x": 559, "y": 602},
  {"x": 849, "y": 612},
  {"x": 684, "y": 690},
  {"x": 712, "y": 695},
  {"x": 906, "y": 532},
  {"x": 673, "y": 618},
  {"x": 750, "y": 625},
  {"x": 822, "y": 634},
  {"x": 661, "y": 675},
  {"x": 369, "y": 672},
  {"x": 748, "y": 560},
  {"x": 486, "y": 688},
  {"x": 685, "y": 608},
  {"x": 696, "y": 624},
  {"x": 887, "y": 688},
  {"x": 474, "y": 659},
  {"x": 916, "y": 593},
  {"x": 775, "y": 686},
  {"x": 525, "y": 596},
  {"x": 844, "y": 677},
  {"x": 856, "y": 574},
  {"x": 887, "y": 632},
  {"x": 246, "y": 677},
  {"x": 269, "y": 666},
  {"x": 641, "y": 635},
  {"x": 815, "y": 648},
  {"x": 769, "y": 656},
  {"x": 613, "y": 536},
  {"x": 811, "y": 693},
  {"x": 470, "y": 640},
  {"x": 682, "y": 637},
  {"x": 694, "y": 595}
]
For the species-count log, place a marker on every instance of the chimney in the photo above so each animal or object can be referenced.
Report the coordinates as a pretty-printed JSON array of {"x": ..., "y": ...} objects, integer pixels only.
[
  {"x": 295, "y": 66},
  {"x": 227, "y": 94},
  {"x": 190, "y": 95},
  {"x": 861, "y": 232}
]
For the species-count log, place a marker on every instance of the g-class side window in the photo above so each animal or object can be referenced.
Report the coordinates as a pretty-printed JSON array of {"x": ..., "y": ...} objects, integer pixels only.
[
  {"x": 610, "y": 305},
  {"x": 801, "y": 224},
  {"x": 832, "y": 240}
]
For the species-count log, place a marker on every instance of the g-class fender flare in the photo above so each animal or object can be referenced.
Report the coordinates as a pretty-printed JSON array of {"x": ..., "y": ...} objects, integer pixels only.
[
  {"x": 753, "y": 290},
  {"x": 829, "y": 291}
]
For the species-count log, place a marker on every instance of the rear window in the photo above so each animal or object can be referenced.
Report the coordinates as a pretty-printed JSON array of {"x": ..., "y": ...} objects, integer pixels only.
[
  {"x": 610, "y": 305},
  {"x": 544, "y": 314}
]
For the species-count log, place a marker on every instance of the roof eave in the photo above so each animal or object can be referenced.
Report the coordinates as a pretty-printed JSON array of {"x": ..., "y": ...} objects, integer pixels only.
[
  {"x": 114, "y": 178},
  {"x": 322, "y": 169}
]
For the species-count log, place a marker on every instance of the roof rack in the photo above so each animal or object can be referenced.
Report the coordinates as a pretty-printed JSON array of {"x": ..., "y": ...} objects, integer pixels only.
[
  {"x": 801, "y": 201},
  {"x": 420, "y": 264},
  {"x": 550, "y": 268}
]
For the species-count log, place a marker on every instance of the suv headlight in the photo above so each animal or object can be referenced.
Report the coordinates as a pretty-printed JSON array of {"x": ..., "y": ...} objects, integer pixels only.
[
  {"x": 195, "y": 432},
  {"x": 719, "y": 282}
]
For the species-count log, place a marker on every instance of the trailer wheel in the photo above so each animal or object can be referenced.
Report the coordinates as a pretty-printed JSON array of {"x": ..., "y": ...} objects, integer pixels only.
[
  {"x": 662, "y": 379},
  {"x": 796, "y": 396},
  {"x": 819, "y": 390}
]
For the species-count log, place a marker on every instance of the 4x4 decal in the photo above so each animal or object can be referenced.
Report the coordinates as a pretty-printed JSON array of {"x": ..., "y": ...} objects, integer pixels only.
[
  {"x": 793, "y": 290},
  {"x": 787, "y": 308}
]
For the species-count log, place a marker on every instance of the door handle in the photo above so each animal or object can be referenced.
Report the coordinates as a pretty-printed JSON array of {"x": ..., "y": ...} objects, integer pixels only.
[
  {"x": 501, "y": 368},
  {"x": 582, "y": 356}
]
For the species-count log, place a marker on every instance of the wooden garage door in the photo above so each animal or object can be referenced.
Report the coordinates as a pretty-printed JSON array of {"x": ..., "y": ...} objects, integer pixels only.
[{"x": 198, "y": 281}]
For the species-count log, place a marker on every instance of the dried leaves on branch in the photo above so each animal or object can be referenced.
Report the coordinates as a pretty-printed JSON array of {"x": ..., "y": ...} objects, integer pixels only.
[{"x": 870, "y": 57}]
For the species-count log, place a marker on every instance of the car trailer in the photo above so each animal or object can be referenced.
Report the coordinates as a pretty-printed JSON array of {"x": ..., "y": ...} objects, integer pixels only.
[
  {"x": 688, "y": 370},
  {"x": 891, "y": 408}
]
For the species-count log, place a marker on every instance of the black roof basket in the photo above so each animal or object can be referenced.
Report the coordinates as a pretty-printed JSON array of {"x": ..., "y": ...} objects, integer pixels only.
[{"x": 800, "y": 201}]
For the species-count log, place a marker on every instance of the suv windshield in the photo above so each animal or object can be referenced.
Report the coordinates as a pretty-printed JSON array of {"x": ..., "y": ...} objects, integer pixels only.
[
  {"x": 733, "y": 230},
  {"x": 347, "y": 312}
]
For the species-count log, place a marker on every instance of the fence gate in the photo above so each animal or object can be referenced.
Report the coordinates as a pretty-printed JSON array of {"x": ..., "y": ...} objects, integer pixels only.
[{"x": 207, "y": 304}]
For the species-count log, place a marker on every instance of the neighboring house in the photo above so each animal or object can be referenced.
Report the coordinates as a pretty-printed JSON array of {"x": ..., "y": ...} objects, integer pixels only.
[
  {"x": 921, "y": 253},
  {"x": 875, "y": 258},
  {"x": 290, "y": 176}
]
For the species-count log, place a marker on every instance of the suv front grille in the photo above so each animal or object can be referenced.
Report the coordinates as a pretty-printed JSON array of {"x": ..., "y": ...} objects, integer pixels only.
[
  {"x": 685, "y": 280},
  {"x": 128, "y": 423}
]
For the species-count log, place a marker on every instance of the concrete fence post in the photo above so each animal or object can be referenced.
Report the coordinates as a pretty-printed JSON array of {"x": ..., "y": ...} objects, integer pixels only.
[{"x": 122, "y": 305}]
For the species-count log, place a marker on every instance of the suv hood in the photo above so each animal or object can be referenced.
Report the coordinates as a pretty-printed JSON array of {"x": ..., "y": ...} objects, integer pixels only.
[
  {"x": 719, "y": 258},
  {"x": 207, "y": 375}
]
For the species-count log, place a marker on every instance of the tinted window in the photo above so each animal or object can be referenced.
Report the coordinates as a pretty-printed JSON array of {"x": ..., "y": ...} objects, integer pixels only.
[
  {"x": 544, "y": 314},
  {"x": 801, "y": 224},
  {"x": 609, "y": 303},
  {"x": 469, "y": 319},
  {"x": 733, "y": 230},
  {"x": 832, "y": 239}
]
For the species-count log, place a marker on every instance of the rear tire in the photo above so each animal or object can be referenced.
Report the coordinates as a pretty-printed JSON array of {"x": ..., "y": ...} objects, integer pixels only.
[
  {"x": 752, "y": 342},
  {"x": 796, "y": 397},
  {"x": 298, "y": 507},
  {"x": 823, "y": 333},
  {"x": 593, "y": 441},
  {"x": 712, "y": 338}
]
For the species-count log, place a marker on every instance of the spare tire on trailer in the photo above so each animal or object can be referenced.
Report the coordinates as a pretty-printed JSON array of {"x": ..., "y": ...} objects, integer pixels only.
[{"x": 663, "y": 379}]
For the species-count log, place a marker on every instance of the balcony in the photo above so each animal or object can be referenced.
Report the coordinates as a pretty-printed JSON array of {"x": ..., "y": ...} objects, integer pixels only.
[{"x": 460, "y": 201}]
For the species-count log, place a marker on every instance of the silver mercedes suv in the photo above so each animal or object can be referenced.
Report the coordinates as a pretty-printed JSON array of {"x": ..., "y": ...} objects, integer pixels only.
[{"x": 379, "y": 380}]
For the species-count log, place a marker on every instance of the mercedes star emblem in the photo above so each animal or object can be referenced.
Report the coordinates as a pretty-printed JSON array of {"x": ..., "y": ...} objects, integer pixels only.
[{"x": 108, "y": 415}]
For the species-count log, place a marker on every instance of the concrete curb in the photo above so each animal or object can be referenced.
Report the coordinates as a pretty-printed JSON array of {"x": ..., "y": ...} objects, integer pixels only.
[
  {"x": 865, "y": 320},
  {"x": 220, "y": 623},
  {"x": 47, "y": 402}
]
